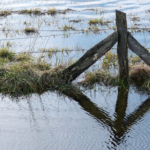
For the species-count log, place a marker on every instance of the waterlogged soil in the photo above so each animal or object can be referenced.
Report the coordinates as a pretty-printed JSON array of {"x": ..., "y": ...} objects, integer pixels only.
[{"x": 99, "y": 118}]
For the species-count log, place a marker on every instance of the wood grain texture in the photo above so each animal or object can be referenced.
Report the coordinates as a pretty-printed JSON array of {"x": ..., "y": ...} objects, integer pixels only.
[{"x": 122, "y": 50}]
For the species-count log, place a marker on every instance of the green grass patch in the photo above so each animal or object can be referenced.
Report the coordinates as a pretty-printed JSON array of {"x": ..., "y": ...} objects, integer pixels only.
[
  {"x": 25, "y": 74},
  {"x": 98, "y": 21},
  {"x": 23, "y": 57},
  {"x": 5, "y": 53},
  {"x": 67, "y": 27},
  {"x": 109, "y": 60}
]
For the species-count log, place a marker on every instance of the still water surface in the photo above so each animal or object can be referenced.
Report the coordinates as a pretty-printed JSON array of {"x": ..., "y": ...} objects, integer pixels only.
[{"x": 102, "y": 118}]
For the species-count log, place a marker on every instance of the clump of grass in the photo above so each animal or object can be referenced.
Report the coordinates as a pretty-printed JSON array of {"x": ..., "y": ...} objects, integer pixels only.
[
  {"x": 52, "y": 78},
  {"x": 41, "y": 65},
  {"x": 109, "y": 60},
  {"x": 134, "y": 59},
  {"x": 140, "y": 73},
  {"x": 67, "y": 27},
  {"x": 30, "y": 11},
  {"x": 18, "y": 80},
  {"x": 25, "y": 75},
  {"x": 135, "y": 19},
  {"x": 30, "y": 30},
  {"x": 95, "y": 29},
  {"x": 99, "y": 76},
  {"x": 4, "y": 61},
  {"x": 29, "y": 76},
  {"x": 5, "y": 13},
  {"x": 52, "y": 11},
  {"x": 5, "y": 53},
  {"x": 75, "y": 21},
  {"x": 23, "y": 57},
  {"x": 98, "y": 21},
  {"x": 54, "y": 50}
]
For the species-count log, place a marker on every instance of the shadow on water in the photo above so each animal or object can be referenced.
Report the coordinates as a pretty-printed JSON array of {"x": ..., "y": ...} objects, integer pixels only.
[{"x": 122, "y": 123}]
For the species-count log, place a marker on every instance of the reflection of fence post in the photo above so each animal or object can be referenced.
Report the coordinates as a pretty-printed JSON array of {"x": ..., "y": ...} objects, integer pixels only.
[
  {"x": 121, "y": 106},
  {"x": 122, "y": 50}
]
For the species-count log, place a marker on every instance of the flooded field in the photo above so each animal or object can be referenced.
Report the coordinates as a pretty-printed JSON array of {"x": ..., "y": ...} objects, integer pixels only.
[{"x": 60, "y": 32}]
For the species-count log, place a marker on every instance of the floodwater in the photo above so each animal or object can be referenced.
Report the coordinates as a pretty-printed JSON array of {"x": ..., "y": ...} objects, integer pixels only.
[{"x": 100, "y": 118}]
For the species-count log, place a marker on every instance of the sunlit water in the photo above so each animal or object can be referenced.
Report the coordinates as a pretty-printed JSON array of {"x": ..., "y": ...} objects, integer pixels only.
[{"x": 100, "y": 118}]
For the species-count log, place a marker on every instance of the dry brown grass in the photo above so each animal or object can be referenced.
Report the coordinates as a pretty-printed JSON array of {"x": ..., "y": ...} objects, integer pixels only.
[{"x": 140, "y": 72}]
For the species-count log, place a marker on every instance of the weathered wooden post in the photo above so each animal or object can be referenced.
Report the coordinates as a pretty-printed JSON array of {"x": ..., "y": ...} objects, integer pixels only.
[{"x": 122, "y": 50}]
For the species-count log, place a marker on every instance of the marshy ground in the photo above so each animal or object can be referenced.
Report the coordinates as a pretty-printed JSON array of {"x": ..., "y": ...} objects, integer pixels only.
[{"x": 41, "y": 38}]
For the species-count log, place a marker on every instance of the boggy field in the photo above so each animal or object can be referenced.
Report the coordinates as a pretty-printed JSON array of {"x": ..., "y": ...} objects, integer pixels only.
[{"x": 39, "y": 39}]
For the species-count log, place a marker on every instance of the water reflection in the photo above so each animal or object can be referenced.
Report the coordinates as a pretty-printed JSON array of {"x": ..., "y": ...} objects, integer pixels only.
[
  {"x": 122, "y": 123},
  {"x": 49, "y": 118}
]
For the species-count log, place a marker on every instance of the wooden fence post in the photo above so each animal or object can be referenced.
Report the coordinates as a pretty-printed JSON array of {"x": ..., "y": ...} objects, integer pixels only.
[{"x": 122, "y": 50}]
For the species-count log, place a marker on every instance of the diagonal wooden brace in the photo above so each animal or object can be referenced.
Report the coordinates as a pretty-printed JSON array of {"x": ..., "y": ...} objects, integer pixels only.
[
  {"x": 89, "y": 58},
  {"x": 138, "y": 49}
]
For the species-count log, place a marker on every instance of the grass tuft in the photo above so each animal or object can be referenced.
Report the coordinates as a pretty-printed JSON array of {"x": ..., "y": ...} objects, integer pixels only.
[
  {"x": 30, "y": 11},
  {"x": 25, "y": 75},
  {"x": 5, "y": 13},
  {"x": 98, "y": 21},
  {"x": 140, "y": 73},
  {"x": 109, "y": 60},
  {"x": 5, "y": 53},
  {"x": 99, "y": 76},
  {"x": 52, "y": 11},
  {"x": 67, "y": 27},
  {"x": 23, "y": 57},
  {"x": 30, "y": 30}
]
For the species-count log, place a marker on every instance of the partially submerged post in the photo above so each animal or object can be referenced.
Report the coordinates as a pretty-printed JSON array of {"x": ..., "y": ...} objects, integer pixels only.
[{"x": 122, "y": 50}]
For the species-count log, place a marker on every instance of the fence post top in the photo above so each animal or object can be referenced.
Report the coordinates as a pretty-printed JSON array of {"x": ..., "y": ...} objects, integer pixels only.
[{"x": 118, "y": 11}]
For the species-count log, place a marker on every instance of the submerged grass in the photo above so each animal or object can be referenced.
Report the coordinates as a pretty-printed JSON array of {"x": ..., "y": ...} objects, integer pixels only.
[
  {"x": 30, "y": 30},
  {"x": 5, "y": 13},
  {"x": 94, "y": 28},
  {"x": 30, "y": 11},
  {"x": 67, "y": 27},
  {"x": 51, "y": 11},
  {"x": 98, "y": 21}
]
